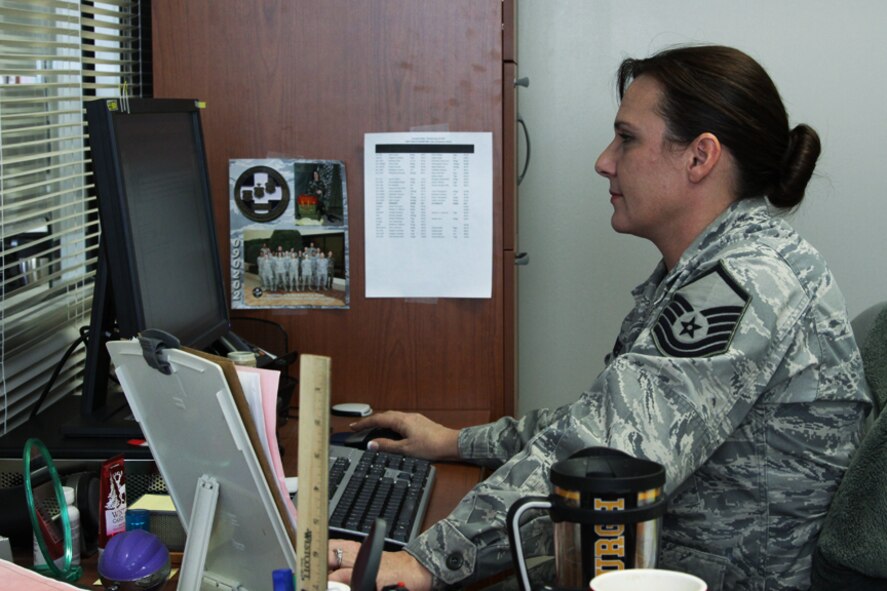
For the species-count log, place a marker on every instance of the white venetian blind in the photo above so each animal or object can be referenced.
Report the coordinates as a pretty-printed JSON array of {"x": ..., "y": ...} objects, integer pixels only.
[{"x": 54, "y": 55}]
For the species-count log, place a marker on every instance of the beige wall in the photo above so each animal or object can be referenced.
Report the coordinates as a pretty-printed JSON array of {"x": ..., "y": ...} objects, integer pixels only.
[{"x": 829, "y": 61}]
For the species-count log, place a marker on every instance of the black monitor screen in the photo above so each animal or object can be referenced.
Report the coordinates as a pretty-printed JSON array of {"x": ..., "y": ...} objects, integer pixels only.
[
  {"x": 174, "y": 248},
  {"x": 158, "y": 260}
]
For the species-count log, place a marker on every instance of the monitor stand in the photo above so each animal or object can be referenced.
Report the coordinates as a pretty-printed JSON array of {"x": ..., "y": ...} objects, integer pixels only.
[
  {"x": 117, "y": 422},
  {"x": 103, "y": 409},
  {"x": 68, "y": 435}
]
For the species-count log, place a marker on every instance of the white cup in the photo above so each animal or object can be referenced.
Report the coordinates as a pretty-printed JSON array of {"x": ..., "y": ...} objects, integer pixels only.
[
  {"x": 638, "y": 579},
  {"x": 247, "y": 358}
]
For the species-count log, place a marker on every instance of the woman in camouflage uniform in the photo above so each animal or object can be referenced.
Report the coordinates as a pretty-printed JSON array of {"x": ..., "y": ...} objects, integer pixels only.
[{"x": 736, "y": 369}]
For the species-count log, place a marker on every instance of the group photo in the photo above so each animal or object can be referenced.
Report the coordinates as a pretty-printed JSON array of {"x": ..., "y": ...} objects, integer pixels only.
[{"x": 287, "y": 269}]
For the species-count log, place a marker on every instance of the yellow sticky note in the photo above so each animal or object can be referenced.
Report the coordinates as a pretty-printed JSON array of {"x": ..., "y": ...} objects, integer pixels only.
[{"x": 154, "y": 502}]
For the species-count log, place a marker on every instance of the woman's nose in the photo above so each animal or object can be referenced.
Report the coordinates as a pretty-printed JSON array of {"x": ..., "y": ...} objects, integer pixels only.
[{"x": 604, "y": 165}]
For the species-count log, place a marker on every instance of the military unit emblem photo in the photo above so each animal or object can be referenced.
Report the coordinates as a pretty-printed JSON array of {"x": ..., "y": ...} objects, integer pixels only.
[{"x": 289, "y": 234}]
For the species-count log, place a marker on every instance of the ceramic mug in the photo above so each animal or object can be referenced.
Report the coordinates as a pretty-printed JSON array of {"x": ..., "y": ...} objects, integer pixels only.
[{"x": 639, "y": 579}]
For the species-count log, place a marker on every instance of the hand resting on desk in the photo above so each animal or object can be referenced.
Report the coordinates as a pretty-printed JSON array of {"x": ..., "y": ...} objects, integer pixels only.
[
  {"x": 422, "y": 437},
  {"x": 396, "y": 567}
]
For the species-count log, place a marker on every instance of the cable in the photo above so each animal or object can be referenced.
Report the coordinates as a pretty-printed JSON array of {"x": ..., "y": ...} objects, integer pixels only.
[{"x": 84, "y": 336}]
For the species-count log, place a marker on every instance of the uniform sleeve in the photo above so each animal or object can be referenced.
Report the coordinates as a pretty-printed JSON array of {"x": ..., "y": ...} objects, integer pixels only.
[
  {"x": 660, "y": 399},
  {"x": 492, "y": 444}
]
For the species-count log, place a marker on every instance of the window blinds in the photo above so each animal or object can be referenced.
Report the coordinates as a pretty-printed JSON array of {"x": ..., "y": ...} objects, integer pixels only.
[{"x": 54, "y": 54}]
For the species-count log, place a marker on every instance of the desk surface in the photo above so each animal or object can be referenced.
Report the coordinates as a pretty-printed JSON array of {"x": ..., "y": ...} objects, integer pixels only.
[{"x": 454, "y": 480}]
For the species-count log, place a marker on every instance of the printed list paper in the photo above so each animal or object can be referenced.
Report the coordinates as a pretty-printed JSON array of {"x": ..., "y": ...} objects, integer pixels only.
[{"x": 428, "y": 203}]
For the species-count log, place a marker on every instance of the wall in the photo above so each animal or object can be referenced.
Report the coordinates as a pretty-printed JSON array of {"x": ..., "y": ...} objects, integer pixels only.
[
  {"x": 829, "y": 61},
  {"x": 308, "y": 79}
]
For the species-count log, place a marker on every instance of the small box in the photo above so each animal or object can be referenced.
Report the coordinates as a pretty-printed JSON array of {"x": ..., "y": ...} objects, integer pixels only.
[{"x": 164, "y": 522}]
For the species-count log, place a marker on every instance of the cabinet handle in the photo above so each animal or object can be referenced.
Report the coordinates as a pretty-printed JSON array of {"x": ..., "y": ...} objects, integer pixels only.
[
  {"x": 525, "y": 82},
  {"x": 523, "y": 172},
  {"x": 522, "y": 259}
]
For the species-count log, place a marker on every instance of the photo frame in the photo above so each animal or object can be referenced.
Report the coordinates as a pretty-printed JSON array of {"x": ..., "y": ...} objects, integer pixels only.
[{"x": 289, "y": 234}]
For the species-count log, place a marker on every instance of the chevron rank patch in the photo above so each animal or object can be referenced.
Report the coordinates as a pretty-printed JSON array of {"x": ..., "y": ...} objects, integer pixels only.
[{"x": 702, "y": 316}]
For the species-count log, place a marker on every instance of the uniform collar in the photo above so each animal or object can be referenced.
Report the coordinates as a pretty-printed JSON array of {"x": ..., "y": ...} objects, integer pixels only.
[
  {"x": 732, "y": 222},
  {"x": 723, "y": 229}
]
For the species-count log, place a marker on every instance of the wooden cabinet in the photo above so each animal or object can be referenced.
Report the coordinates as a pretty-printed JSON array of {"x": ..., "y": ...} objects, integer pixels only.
[{"x": 300, "y": 78}]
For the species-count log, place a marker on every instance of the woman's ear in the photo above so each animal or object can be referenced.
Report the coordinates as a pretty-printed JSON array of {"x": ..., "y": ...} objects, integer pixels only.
[{"x": 705, "y": 152}]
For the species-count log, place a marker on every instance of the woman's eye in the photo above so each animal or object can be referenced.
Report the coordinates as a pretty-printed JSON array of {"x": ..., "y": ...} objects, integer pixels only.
[{"x": 625, "y": 137}]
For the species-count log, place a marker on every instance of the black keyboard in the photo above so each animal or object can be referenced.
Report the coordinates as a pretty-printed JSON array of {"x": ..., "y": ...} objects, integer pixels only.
[{"x": 364, "y": 485}]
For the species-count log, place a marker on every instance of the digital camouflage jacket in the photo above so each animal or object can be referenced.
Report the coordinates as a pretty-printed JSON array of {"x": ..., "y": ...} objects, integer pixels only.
[{"x": 736, "y": 370}]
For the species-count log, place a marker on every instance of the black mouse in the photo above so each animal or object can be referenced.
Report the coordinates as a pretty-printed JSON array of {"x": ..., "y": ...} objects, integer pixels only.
[{"x": 359, "y": 439}]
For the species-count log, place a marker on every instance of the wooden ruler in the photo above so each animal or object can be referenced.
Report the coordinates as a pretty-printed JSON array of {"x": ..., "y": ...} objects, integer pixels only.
[{"x": 313, "y": 503}]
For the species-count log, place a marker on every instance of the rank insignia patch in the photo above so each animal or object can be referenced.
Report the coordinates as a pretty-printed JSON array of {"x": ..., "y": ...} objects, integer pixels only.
[{"x": 702, "y": 316}]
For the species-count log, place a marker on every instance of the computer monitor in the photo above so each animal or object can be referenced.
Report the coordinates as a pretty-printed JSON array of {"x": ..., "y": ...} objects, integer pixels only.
[{"x": 158, "y": 263}]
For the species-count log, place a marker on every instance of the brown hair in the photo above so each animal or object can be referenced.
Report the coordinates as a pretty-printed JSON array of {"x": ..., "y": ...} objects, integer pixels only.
[{"x": 723, "y": 91}]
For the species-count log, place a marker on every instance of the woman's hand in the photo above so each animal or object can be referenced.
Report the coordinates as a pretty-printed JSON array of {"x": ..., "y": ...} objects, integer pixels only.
[
  {"x": 396, "y": 567},
  {"x": 422, "y": 437}
]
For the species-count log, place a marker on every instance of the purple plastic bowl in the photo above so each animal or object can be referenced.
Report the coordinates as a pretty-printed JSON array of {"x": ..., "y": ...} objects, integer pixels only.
[{"x": 134, "y": 559}]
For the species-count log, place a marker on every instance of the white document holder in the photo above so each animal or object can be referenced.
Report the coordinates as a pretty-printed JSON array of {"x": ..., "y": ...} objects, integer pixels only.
[{"x": 237, "y": 530}]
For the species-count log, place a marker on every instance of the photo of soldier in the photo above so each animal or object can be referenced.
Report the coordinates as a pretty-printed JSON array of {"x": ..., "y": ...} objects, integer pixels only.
[
  {"x": 321, "y": 273},
  {"x": 279, "y": 271},
  {"x": 320, "y": 193},
  {"x": 292, "y": 270},
  {"x": 307, "y": 271},
  {"x": 317, "y": 188},
  {"x": 266, "y": 273},
  {"x": 332, "y": 269}
]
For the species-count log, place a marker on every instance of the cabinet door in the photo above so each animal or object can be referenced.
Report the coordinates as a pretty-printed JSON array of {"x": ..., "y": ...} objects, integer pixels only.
[
  {"x": 510, "y": 164},
  {"x": 301, "y": 78},
  {"x": 509, "y": 30}
]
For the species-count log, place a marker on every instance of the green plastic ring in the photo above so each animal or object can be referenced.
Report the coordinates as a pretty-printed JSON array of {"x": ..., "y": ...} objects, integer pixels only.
[{"x": 68, "y": 572}]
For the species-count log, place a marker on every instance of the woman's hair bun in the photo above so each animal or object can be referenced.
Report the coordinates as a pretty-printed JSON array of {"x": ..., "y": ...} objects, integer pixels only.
[{"x": 797, "y": 167}]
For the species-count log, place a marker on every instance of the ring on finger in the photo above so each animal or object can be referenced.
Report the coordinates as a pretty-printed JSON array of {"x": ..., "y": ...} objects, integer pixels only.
[{"x": 339, "y": 555}]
